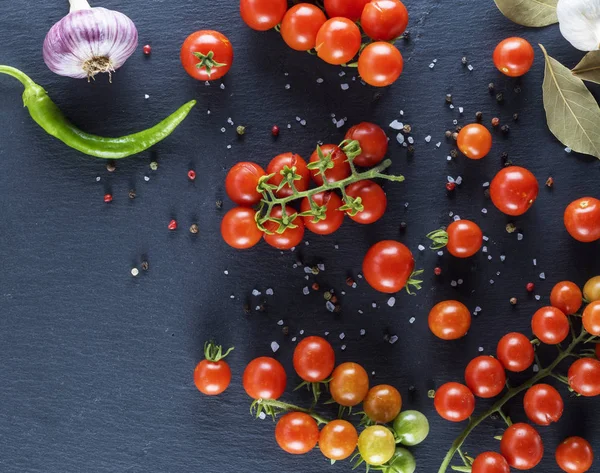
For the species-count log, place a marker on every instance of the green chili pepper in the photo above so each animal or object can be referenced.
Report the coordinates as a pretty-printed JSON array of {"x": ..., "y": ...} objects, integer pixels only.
[{"x": 47, "y": 115}]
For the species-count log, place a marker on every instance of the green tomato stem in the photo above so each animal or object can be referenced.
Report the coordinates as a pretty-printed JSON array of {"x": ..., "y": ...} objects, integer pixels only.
[{"x": 286, "y": 407}]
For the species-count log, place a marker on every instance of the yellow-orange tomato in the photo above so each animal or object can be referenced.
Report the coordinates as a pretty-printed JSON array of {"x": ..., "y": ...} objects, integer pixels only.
[
  {"x": 591, "y": 318},
  {"x": 449, "y": 320},
  {"x": 474, "y": 141}
]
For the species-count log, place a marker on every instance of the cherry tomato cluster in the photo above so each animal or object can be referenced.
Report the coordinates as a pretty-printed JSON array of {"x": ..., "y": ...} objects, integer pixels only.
[{"x": 339, "y": 39}]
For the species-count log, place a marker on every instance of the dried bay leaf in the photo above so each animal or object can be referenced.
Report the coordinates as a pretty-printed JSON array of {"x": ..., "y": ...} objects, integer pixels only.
[
  {"x": 571, "y": 111},
  {"x": 534, "y": 13},
  {"x": 589, "y": 67}
]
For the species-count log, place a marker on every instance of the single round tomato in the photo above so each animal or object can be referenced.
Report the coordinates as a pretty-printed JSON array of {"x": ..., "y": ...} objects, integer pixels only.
[
  {"x": 262, "y": 15},
  {"x": 514, "y": 190},
  {"x": 567, "y": 297},
  {"x": 582, "y": 219},
  {"x": 515, "y": 352},
  {"x": 206, "y": 55},
  {"x": 241, "y": 182},
  {"x": 380, "y": 64},
  {"x": 584, "y": 377},
  {"x": 388, "y": 266},
  {"x": 522, "y": 446},
  {"x": 338, "y": 440},
  {"x": 340, "y": 169},
  {"x": 550, "y": 325},
  {"x": 591, "y": 318},
  {"x": 591, "y": 290},
  {"x": 338, "y": 41},
  {"x": 239, "y": 229},
  {"x": 464, "y": 238},
  {"x": 212, "y": 377},
  {"x": 373, "y": 143},
  {"x": 373, "y": 200},
  {"x": 474, "y": 141},
  {"x": 383, "y": 403},
  {"x": 300, "y": 26},
  {"x": 297, "y": 433},
  {"x": 490, "y": 462},
  {"x": 383, "y": 20},
  {"x": 575, "y": 455},
  {"x": 314, "y": 359},
  {"x": 283, "y": 163},
  {"x": 543, "y": 404},
  {"x": 376, "y": 445},
  {"x": 290, "y": 237},
  {"x": 449, "y": 320},
  {"x": 333, "y": 216},
  {"x": 514, "y": 56},
  {"x": 402, "y": 461},
  {"x": 351, "y": 9},
  {"x": 454, "y": 402},
  {"x": 411, "y": 428},
  {"x": 264, "y": 378},
  {"x": 349, "y": 384},
  {"x": 485, "y": 377}
]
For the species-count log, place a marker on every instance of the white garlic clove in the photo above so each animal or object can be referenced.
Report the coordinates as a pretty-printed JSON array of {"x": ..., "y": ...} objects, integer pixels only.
[{"x": 579, "y": 22}]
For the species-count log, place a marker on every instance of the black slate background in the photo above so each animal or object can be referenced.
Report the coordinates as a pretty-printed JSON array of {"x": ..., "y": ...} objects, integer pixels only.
[{"x": 96, "y": 366}]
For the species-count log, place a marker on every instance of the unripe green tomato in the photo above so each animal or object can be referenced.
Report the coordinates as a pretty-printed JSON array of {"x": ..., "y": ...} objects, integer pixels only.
[
  {"x": 402, "y": 462},
  {"x": 411, "y": 428}
]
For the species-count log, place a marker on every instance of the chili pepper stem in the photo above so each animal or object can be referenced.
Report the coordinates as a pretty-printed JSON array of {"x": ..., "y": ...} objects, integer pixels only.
[{"x": 17, "y": 74}]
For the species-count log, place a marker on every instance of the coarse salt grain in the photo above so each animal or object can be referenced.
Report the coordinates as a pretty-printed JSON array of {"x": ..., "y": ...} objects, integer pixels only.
[
  {"x": 486, "y": 184},
  {"x": 491, "y": 281},
  {"x": 537, "y": 297},
  {"x": 428, "y": 138},
  {"x": 222, "y": 86},
  {"x": 461, "y": 109},
  {"x": 326, "y": 334},
  {"x": 411, "y": 320},
  {"x": 342, "y": 336},
  {"x": 226, "y": 272},
  {"x": 330, "y": 307},
  {"x": 451, "y": 107},
  {"x": 534, "y": 262},
  {"x": 519, "y": 236},
  {"x": 362, "y": 332},
  {"x": 480, "y": 349},
  {"x": 146, "y": 96},
  {"x": 411, "y": 140},
  {"x": 262, "y": 416},
  {"x": 301, "y": 332},
  {"x": 440, "y": 253},
  {"x": 223, "y": 130},
  {"x": 303, "y": 122},
  {"x": 146, "y": 178},
  {"x": 477, "y": 309},
  {"x": 459, "y": 180},
  {"x": 344, "y": 86},
  {"x": 360, "y": 311},
  {"x": 274, "y": 346},
  {"x": 536, "y": 368},
  {"x": 486, "y": 238},
  {"x": 455, "y": 122},
  {"x": 450, "y": 179},
  {"x": 438, "y": 144},
  {"x": 343, "y": 347},
  {"x": 431, "y": 66},
  {"x": 256, "y": 292},
  {"x": 280, "y": 322},
  {"x": 484, "y": 249},
  {"x": 305, "y": 291},
  {"x": 400, "y": 138},
  {"x": 374, "y": 305},
  {"x": 396, "y": 125},
  {"x": 502, "y": 257},
  {"x": 135, "y": 272},
  {"x": 294, "y": 339},
  {"x": 98, "y": 179},
  {"x": 269, "y": 292},
  {"x": 484, "y": 211},
  {"x": 453, "y": 283},
  {"x": 421, "y": 247},
  {"x": 456, "y": 218},
  {"x": 542, "y": 275},
  {"x": 460, "y": 281},
  {"x": 489, "y": 257},
  {"x": 319, "y": 81},
  {"x": 568, "y": 150},
  {"x": 393, "y": 339},
  {"x": 391, "y": 301},
  {"x": 287, "y": 86},
  {"x": 470, "y": 67}
]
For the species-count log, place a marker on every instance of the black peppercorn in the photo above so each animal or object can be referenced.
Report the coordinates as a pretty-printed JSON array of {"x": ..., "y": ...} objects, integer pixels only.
[
  {"x": 479, "y": 116},
  {"x": 454, "y": 153},
  {"x": 499, "y": 97},
  {"x": 411, "y": 149},
  {"x": 448, "y": 134},
  {"x": 505, "y": 129},
  {"x": 448, "y": 98},
  {"x": 491, "y": 87},
  {"x": 515, "y": 116},
  {"x": 403, "y": 226}
]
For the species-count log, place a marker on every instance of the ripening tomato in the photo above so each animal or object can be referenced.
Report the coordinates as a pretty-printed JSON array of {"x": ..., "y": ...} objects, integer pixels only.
[
  {"x": 290, "y": 237},
  {"x": 382, "y": 404},
  {"x": 515, "y": 352},
  {"x": 340, "y": 169},
  {"x": 514, "y": 190},
  {"x": 351, "y": 9},
  {"x": 522, "y": 446},
  {"x": 314, "y": 359},
  {"x": 474, "y": 141},
  {"x": 485, "y": 377},
  {"x": 454, "y": 402},
  {"x": 550, "y": 325},
  {"x": 349, "y": 384},
  {"x": 286, "y": 161},
  {"x": 388, "y": 266},
  {"x": 376, "y": 445},
  {"x": 567, "y": 297},
  {"x": 591, "y": 318},
  {"x": 380, "y": 64},
  {"x": 464, "y": 238},
  {"x": 411, "y": 428},
  {"x": 264, "y": 378},
  {"x": 333, "y": 216},
  {"x": 338, "y": 440},
  {"x": 373, "y": 200},
  {"x": 206, "y": 55},
  {"x": 449, "y": 320},
  {"x": 490, "y": 462},
  {"x": 262, "y": 15},
  {"x": 514, "y": 56},
  {"x": 582, "y": 219},
  {"x": 338, "y": 41},
  {"x": 241, "y": 182},
  {"x": 584, "y": 377},
  {"x": 300, "y": 26},
  {"x": 373, "y": 143},
  {"x": 574, "y": 455},
  {"x": 384, "y": 20},
  {"x": 239, "y": 229},
  {"x": 543, "y": 404},
  {"x": 591, "y": 290},
  {"x": 297, "y": 433}
]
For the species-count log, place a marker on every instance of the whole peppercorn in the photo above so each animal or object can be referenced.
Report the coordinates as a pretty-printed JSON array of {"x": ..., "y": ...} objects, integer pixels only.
[
  {"x": 172, "y": 225},
  {"x": 511, "y": 227},
  {"x": 247, "y": 308},
  {"x": 448, "y": 134},
  {"x": 219, "y": 204},
  {"x": 285, "y": 330},
  {"x": 454, "y": 153},
  {"x": 448, "y": 98},
  {"x": 515, "y": 116},
  {"x": 191, "y": 175},
  {"x": 495, "y": 121},
  {"x": 110, "y": 166},
  {"x": 513, "y": 301},
  {"x": 194, "y": 229},
  {"x": 464, "y": 61},
  {"x": 455, "y": 136},
  {"x": 458, "y": 128},
  {"x": 403, "y": 226},
  {"x": 154, "y": 165},
  {"x": 550, "y": 182},
  {"x": 108, "y": 198},
  {"x": 407, "y": 128},
  {"x": 437, "y": 271},
  {"x": 491, "y": 87},
  {"x": 486, "y": 193},
  {"x": 240, "y": 130},
  {"x": 504, "y": 156},
  {"x": 505, "y": 129},
  {"x": 145, "y": 265},
  {"x": 333, "y": 299},
  {"x": 530, "y": 287},
  {"x": 479, "y": 116},
  {"x": 406, "y": 36},
  {"x": 450, "y": 186},
  {"x": 349, "y": 281},
  {"x": 147, "y": 49},
  {"x": 315, "y": 286},
  {"x": 499, "y": 97},
  {"x": 410, "y": 149},
  {"x": 132, "y": 194},
  {"x": 337, "y": 309},
  {"x": 275, "y": 130}
]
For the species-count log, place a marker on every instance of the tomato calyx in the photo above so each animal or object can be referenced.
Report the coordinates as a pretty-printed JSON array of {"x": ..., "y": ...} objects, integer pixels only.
[
  {"x": 214, "y": 352},
  {"x": 273, "y": 408},
  {"x": 413, "y": 282},
  {"x": 208, "y": 62},
  {"x": 314, "y": 388},
  {"x": 439, "y": 238}
]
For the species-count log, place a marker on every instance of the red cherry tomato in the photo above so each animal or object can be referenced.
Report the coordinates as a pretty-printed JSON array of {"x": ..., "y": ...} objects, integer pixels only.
[
  {"x": 264, "y": 378},
  {"x": 290, "y": 237},
  {"x": 449, "y": 320},
  {"x": 514, "y": 190},
  {"x": 454, "y": 402},
  {"x": 373, "y": 199},
  {"x": 340, "y": 169},
  {"x": 380, "y": 64},
  {"x": 212, "y": 377},
  {"x": 288, "y": 160},
  {"x": 300, "y": 26},
  {"x": 241, "y": 182},
  {"x": 383, "y": 403},
  {"x": 515, "y": 352},
  {"x": 338, "y": 440},
  {"x": 550, "y": 325},
  {"x": 383, "y": 20},
  {"x": 582, "y": 219},
  {"x": 350, "y": 9},
  {"x": 490, "y": 462},
  {"x": 388, "y": 266},
  {"x": 575, "y": 455},
  {"x": 314, "y": 359},
  {"x": 584, "y": 377},
  {"x": 373, "y": 143},
  {"x": 239, "y": 229},
  {"x": 485, "y": 377},
  {"x": 297, "y": 433},
  {"x": 474, "y": 141},
  {"x": 567, "y": 297},
  {"x": 349, "y": 384},
  {"x": 522, "y": 446},
  {"x": 591, "y": 318},
  {"x": 262, "y": 15},
  {"x": 543, "y": 404},
  {"x": 206, "y": 55},
  {"x": 338, "y": 41},
  {"x": 464, "y": 238},
  {"x": 514, "y": 56},
  {"x": 333, "y": 216}
]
